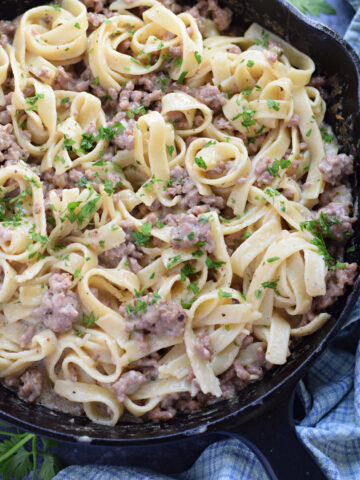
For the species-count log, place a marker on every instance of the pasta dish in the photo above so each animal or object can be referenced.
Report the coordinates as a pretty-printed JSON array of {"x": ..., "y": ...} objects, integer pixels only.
[{"x": 174, "y": 211}]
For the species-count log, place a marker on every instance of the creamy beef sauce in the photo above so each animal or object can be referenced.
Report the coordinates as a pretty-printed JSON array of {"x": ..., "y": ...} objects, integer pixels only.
[{"x": 60, "y": 307}]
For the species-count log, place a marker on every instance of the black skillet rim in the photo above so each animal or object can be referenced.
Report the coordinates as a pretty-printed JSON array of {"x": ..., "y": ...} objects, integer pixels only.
[{"x": 264, "y": 401}]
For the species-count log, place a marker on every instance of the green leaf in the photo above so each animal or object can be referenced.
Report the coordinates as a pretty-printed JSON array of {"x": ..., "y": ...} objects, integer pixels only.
[
  {"x": 18, "y": 465},
  {"x": 49, "y": 468},
  {"x": 200, "y": 162},
  {"x": 314, "y": 7}
]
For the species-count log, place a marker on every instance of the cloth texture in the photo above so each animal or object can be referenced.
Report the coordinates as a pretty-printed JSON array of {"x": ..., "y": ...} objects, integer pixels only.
[{"x": 330, "y": 395}]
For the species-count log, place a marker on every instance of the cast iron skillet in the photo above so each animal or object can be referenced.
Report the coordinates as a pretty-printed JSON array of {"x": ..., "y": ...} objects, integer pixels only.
[{"x": 262, "y": 415}]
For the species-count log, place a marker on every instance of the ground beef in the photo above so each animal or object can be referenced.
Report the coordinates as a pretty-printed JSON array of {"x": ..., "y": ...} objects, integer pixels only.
[
  {"x": 336, "y": 281},
  {"x": 211, "y": 96},
  {"x": 95, "y": 5},
  {"x": 148, "y": 366},
  {"x": 177, "y": 402},
  {"x": 27, "y": 336},
  {"x": 30, "y": 385},
  {"x": 65, "y": 180},
  {"x": 222, "y": 16},
  {"x": 5, "y": 234},
  {"x": 129, "y": 248},
  {"x": 5, "y": 117},
  {"x": 203, "y": 346},
  {"x": 156, "y": 316},
  {"x": 237, "y": 376},
  {"x": 233, "y": 241},
  {"x": 9, "y": 148},
  {"x": 68, "y": 79},
  {"x": 319, "y": 82},
  {"x": 240, "y": 371},
  {"x": 337, "y": 213},
  {"x": 261, "y": 171},
  {"x": 294, "y": 121},
  {"x": 335, "y": 166},
  {"x": 60, "y": 307},
  {"x": 64, "y": 80},
  {"x": 271, "y": 56},
  {"x": 230, "y": 383},
  {"x": 220, "y": 170},
  {"x": 182, "y": 184},
  {"x": 128, "y": 383},
  {"x": 7, "y": 30},
  {"x": 188, "y": 231}
]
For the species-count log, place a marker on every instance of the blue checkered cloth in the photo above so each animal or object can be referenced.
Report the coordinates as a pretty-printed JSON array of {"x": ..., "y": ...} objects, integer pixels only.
[{"x": 331, "y": 399}]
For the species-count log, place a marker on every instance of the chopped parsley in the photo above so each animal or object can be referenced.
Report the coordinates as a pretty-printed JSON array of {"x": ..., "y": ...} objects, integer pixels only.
[
  {"x": 326, "y": 136},
  {"x": 272, "y": 104},
  {"x": 276, "y": 165},
  {"x": 109, "y": 187},
  {"x": 200, "y": 162},
  {"x": 246, "y": 92},
  {"x": 318, "y": 228},
  {"x": 197, "y": 57},
  {"x": 222, "y": 294},
  {"x": 88, "y": 320},
  {"x": 213, "y": 264},
  {"x": 87, "y": 142},
  {"x": 181, "y": 78},
  {"x": 186, "y": 271},
  {"x": 264, "y": 39},
  {"x": 272, "y": 259},
  {"x": 210, "y": 142},
  {"x": 173, "y": 261},
  {"x": 143, "y": 238},
  {"x": 85, "y": 212},
  {"x": 170, "y": 149},
  {"x": 32, "y": 101},
  {"x": 247, "y": 117}
]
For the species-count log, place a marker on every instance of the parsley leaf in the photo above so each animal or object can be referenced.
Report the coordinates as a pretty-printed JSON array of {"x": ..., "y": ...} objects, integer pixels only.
[
  {"x": 272, "y": 104},
  {"x": 16, "y": 460},
  {"x": 317, "y": 228},
  {"x": 181, "y": 79},
  {"x": 170, "y": 149},
  {"x": 264, "y": 39},
  {"x": 222, "y": 294},
  {"x": 32, "y": 101},
  {"x": 314, "y": 7},
  {"x": 326, "y": 136},
  {"x": 173, "y": 261},
  {"x": 210, "y": 263},
  {"x": 197, "y": 57},
  {"x": 276, "y": 165},
  {"x": 88, "y": 320},
  {"x": 200, "y": 163},
  {"x": 186, "y": 271}
]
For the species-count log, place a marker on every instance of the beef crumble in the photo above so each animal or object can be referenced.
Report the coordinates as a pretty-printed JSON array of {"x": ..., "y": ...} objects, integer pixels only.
[
  {"x": 152, "y": 315},
  {"x": 60, "y": 306}
]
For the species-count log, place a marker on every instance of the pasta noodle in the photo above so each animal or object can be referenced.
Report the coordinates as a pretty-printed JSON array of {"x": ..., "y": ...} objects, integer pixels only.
[{"x": 171, "y": 202}]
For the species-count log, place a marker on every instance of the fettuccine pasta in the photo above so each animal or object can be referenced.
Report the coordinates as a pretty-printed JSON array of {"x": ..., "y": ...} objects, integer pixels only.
[{"x": 173, "y": 209}]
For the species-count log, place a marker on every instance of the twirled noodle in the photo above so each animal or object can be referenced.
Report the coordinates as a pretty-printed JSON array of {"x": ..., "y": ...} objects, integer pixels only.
[
  {"x": 4, "y": 66},
  {"x": 161, "y": 240},
  {"x": 48, "y": 36},
  {"x": 83, "y": 113}
]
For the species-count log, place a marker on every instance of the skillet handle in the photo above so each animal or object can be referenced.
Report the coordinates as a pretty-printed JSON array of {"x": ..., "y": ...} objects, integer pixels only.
[{"x": 273, "y": 439}]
